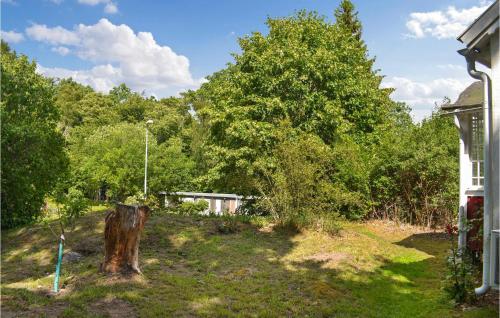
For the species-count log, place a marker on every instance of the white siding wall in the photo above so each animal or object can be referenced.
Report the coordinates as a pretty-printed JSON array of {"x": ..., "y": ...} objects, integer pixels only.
[
  {"x": 218, "y": 206},
  {"x": 463, "y": 122}
]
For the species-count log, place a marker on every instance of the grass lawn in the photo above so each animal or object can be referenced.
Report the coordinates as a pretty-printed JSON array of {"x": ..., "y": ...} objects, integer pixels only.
[{"x": 191, "y": 270}]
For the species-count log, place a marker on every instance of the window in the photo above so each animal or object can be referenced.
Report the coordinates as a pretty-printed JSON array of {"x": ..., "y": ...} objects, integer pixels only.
[{"x": 476, "y": 154}]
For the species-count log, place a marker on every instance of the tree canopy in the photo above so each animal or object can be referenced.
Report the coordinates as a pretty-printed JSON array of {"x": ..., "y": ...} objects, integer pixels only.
[
  {"x": 33, "y": 156},
  {"x": 308, "y": 76},
  {"x": 299, "y": 119}
]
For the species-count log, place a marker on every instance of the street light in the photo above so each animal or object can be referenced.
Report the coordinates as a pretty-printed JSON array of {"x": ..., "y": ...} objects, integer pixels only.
[{"x": 149, "y": 122}]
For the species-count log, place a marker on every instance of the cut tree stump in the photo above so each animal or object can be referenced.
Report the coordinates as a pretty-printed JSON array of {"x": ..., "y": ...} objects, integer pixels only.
[{"x": 121, "y": 238}]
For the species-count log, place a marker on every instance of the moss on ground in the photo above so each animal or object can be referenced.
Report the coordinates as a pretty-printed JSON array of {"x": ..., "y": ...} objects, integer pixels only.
[{"x": 190, "y": 269}]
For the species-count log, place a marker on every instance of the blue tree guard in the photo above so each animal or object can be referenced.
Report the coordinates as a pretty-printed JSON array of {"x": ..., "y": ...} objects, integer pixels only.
[{"x": 58, "y": 266}]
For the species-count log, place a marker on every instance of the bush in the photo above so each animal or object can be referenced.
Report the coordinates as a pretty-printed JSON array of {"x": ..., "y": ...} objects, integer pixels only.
[
  {"x": 228, "y": 224},
  {"x": 136, "y": 199},
  {"x": 414, "y": 178},
  {"x": 74, "y": 205},
  {"x": 151, "y": 201},
  {"x": 251, "y": 207},
  {"x": 322, "y": 223},
  {"x": 192, "y": 208},
  {"x": 327, "y": 224},
  {"x": 459, "y": 281},
  {"x": 299, "y": 191}
]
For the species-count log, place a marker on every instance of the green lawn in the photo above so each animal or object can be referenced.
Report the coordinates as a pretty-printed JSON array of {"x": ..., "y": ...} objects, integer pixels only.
[{"x": 369, "y": 270}]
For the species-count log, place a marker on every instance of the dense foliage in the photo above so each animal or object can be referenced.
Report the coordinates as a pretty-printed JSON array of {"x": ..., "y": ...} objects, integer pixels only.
[
  {"x": 299, "y": 120},
  {"x": 459, "y": 281},
  {"x": 310, "y": 84},
  {"x": 106, "y": 141},
  {"x": 307, "y": 72},
  {"x": 73, "y": 205},
  {"x": 298, "y": 189},
  {"x": 415, "y": 176},
  {"x": 33, "y": 157}
]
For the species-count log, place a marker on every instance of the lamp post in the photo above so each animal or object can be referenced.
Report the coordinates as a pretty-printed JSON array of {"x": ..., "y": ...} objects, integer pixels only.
[{"x": 149, "y": 122}]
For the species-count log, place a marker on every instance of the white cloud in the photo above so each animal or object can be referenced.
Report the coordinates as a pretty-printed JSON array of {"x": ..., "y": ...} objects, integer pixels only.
[
  {"x": 422, "y": 96},
  {"x": 110, "y": 7},
  {"x": 101, "y": 77},
  {"x": 12, "y": 36},
  {"x": 61, "y": 50},
  {"x": 92, "y": 2},
  {"x": 120, "y": 55},
  {"x": 57, "y": 35},
  {"x": 443, "y": 24}
]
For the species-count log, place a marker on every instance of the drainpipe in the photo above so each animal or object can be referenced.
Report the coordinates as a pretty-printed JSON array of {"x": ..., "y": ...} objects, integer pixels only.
[{"x": 471, "y": 69}]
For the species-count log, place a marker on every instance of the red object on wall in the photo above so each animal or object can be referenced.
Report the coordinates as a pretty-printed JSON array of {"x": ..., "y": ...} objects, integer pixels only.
[{"x": 475, "y": 217}]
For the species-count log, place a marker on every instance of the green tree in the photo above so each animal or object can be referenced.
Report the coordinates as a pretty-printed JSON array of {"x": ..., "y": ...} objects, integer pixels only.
[
  {"x": 415, "y": 172},
  {"x": 429, "y": 176},
  {"x": 97, "y": 110},
  {"x": 113, "y": 156},
  {"x": 347, "y": 19},
  {"x": 33, "y": 156},
  {"x": 306, "y": 71},
  {"x": 68, "y": 97},
  {"x": 171, "y": 118},
  {"x": 121, "y": 93}
]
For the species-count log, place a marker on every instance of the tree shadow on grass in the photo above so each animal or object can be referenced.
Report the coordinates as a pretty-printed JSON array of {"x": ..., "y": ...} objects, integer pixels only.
[
  {"x": 30, "y": 253},
  {"x": 430, "y": 243},
  {"x": 190, "y": 269}
]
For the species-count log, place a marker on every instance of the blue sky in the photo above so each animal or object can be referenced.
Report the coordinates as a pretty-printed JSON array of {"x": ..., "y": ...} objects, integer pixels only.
[{"x": 164, "y": 47}]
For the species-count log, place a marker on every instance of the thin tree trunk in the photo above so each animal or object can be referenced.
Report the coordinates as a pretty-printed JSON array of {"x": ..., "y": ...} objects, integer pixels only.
[{"x": 121, "y": 238}]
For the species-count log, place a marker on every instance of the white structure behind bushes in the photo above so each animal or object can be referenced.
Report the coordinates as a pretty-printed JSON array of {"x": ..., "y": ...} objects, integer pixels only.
[{"x": 217, "y": 202}]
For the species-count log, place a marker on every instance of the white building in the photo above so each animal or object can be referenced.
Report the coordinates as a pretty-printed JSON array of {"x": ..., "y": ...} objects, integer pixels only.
[
  {"x": 217, "y": 202},
  {"x": 477, "y": 115}
]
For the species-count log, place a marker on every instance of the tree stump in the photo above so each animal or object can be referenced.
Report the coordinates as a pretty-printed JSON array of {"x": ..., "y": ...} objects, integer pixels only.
[{"x": 121, "y": 238}]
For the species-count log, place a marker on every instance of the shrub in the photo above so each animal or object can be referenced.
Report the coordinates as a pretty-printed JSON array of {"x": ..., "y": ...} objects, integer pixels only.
[
  {"x": 459, "y": 280},
  {"x": 328, "y": 224},
  {"x": 228, "y": 224},
  {"x": 322, "y": 223},
  {"x": 153, "y": 202},
  {"x": 138, "y": 199},
  {"x": 415, "y": 172},
  {"x": 75, "y": 204},
  {"x": 298, "y": 192},
  {"x": 192, "y": 208},
  {"x": 251, "y": 207}
]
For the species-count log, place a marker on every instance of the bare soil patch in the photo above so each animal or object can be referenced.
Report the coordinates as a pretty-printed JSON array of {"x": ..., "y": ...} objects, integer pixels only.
[
  {"x": 113, "y": 308},
  {"x": 328, "y": 257}
]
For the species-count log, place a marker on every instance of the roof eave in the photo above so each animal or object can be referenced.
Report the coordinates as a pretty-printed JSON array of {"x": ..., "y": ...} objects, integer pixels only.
[{"x": 476, "y": 30}]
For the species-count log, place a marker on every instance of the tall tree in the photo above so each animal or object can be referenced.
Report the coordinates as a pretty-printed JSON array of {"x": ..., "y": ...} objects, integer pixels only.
[
  {"x": 306, "y": 72},
  {"x": 347, "y": 18},
  {"x": 33, "y": 156}
]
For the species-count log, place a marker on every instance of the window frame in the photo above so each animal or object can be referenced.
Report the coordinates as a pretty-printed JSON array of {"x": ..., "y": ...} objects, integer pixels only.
[{"x": 476, "y": 153}]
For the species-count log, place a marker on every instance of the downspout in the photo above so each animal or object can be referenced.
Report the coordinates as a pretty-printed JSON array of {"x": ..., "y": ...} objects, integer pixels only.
[{"x": 471, "y": 69}]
